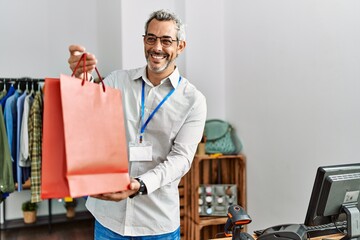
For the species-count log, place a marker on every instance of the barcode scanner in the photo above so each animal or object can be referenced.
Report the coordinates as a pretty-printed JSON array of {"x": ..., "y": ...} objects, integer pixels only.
[{"x": 237, "y": 218}]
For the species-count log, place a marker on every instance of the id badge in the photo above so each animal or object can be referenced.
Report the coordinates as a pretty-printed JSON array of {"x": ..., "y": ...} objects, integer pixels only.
[{"x": 140, "y": 151}]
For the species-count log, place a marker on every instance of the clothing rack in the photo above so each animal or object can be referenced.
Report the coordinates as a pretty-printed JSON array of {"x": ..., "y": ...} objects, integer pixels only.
[
  {"x": 21, "y": 83},
  {"x": 36, "y": 84},
  {"x": 24, "y": 79}
]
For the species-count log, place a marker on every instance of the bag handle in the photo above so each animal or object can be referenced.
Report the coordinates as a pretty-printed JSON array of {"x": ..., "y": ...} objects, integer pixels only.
[{"x": 83, "y": 57}]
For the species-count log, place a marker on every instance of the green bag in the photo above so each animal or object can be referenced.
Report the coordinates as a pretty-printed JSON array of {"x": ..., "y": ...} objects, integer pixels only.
[{"x": 221, "y": 138}]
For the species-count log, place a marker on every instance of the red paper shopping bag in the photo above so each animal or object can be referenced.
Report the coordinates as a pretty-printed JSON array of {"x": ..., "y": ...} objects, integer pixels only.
[
  {"x": 84, "y": 143},
  {"x": 53, "y": 166}
]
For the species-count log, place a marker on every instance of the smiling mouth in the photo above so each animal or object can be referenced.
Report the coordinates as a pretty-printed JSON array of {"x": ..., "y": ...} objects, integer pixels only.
[{"x": 158, "y": 56}]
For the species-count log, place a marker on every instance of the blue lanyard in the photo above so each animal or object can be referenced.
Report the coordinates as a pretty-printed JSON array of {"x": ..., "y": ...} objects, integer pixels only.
[{"x": 143, "y": 125}]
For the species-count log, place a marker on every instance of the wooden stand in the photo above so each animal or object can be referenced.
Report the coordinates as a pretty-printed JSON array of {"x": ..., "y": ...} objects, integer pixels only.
[
  {"x": 182, "y": 207},
  {"x": 225, "y": 169}
]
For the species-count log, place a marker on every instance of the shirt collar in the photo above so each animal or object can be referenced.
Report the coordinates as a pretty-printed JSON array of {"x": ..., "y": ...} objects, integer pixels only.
[{"x": 174, "y": 77}]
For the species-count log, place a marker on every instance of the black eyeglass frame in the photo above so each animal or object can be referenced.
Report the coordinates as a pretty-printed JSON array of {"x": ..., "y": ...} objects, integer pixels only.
[{"x": 161, "y": 38}]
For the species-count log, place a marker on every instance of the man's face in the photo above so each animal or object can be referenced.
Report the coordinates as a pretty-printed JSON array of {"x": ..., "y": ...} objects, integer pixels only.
[{"x": 161, "y": 59}]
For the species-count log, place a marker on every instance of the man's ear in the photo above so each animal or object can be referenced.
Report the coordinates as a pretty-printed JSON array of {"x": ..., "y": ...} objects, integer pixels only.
[{"x": 181, "y": 46}]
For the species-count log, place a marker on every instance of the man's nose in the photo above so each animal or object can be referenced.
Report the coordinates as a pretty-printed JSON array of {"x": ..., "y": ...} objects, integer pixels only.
[{"x": 157, "y": 44}]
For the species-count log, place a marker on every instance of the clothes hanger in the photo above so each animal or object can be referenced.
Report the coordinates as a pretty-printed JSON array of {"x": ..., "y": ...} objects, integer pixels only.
[{"x": 4, "y": 86}]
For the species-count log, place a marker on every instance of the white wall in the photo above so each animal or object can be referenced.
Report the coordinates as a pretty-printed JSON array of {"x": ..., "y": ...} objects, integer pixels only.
[
  {"x": 205, "y": 63},
  {"x": 285, "y": 73},
  {"x": 292, "y": 82},
  {"x": 108, "y": 25},
  {"x": 35, "y": 35}
]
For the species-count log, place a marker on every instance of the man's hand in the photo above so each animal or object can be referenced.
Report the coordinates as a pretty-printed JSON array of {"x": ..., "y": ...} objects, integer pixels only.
[
  {"x": 75, "y": 54},
  {"x": 118, "y": 196}
]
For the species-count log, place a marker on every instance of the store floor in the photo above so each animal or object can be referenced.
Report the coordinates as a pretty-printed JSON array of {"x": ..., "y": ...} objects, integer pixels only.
[{"x": 79, "y": 230}]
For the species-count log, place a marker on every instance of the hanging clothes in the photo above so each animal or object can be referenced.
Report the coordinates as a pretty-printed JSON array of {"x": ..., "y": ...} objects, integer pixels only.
[
  {"x": 24, "y": 160},
  {"x": 10, "y": 115},
  {"x": 15, "y": 157},
  {"x": 3, "y": 92},
  {"x": 8, "y": 94},
  {"x": 35, "y": 145},
  {"x": 6, "y": 173},
  {"x": 20, "y": 108}
]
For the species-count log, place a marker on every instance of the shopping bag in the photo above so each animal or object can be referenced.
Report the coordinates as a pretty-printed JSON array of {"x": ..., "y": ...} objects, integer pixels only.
[{"x": 84, "y": 143}]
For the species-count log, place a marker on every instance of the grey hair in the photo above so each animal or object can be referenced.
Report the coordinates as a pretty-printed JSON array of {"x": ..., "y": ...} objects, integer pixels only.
[{"x": 165, "y": 15}]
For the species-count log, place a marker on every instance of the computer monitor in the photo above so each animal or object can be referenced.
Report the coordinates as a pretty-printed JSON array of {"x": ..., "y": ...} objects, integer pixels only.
[{"x": 336, "y": 197}]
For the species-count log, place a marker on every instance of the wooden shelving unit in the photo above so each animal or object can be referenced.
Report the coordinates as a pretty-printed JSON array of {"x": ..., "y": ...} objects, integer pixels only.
[
  {"x": 225, "y": 169},
  {"x": 182, "y": 206}
]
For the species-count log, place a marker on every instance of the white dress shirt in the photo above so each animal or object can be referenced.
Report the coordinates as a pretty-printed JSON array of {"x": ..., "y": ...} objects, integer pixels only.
[
  {"x": 24, "y": 160},
  {"x": 174, "y": 131}
]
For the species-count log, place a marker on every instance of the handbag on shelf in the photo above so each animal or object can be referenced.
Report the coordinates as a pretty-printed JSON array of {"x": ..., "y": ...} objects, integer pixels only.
[
  {"x": 221, "y": 138},
  {"x": 84, "y": 143}
]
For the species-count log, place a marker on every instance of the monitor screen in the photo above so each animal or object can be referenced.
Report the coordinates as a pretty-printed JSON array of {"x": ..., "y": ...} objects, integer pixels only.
[{"x": 336, "y": 197}]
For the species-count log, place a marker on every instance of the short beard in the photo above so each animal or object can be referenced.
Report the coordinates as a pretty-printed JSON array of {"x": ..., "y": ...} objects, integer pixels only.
[{"x": 162, "y": 68}]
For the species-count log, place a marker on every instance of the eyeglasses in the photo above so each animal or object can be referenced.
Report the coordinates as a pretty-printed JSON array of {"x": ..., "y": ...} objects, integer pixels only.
[{"x": 165, "y": 41}]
